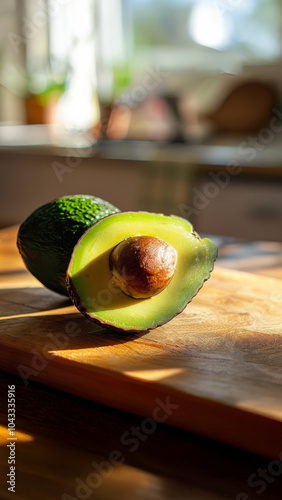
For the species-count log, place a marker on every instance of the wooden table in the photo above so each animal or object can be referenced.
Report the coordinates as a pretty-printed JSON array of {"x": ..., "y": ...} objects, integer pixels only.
[{"x": 66, "y": 445}]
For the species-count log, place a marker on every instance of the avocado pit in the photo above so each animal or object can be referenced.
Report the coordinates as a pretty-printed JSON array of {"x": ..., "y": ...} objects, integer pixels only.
[{"x": 142, "y": 266}]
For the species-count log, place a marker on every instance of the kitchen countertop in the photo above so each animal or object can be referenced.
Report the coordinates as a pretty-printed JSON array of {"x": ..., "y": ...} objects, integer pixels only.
[
  {"x": 215, "y": 151},
  {"x": 65, "y": 444}
]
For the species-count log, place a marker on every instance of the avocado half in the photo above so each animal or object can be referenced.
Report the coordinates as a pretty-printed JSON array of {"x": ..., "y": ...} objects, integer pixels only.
[
  {"x": 93, "y": 287},
  {"x": 47, "y": 237}
]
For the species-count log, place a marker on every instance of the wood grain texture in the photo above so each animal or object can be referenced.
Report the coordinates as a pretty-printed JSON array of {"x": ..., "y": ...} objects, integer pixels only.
[{"x": 219, "y": 361}]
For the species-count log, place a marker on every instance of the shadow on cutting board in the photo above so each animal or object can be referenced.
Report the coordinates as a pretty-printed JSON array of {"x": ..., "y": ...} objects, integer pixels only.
[{"x": 169, "y": 464}]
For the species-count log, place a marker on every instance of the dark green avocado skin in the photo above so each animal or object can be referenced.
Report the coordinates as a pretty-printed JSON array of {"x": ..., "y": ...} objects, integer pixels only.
[{"x": 47, "y": 237}]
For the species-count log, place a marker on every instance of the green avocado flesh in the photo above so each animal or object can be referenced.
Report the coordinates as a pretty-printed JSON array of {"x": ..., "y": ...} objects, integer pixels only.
[
  {"x": 47, "y": 237},
  {"x": 89, "y": 276}
]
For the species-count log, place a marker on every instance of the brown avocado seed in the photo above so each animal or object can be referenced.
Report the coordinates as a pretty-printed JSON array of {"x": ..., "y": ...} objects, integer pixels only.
[{"x": 142, "y": 266}]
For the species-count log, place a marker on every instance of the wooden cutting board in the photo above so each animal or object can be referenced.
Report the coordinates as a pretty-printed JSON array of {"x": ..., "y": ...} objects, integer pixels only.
[{"x": 216, "y": 369}]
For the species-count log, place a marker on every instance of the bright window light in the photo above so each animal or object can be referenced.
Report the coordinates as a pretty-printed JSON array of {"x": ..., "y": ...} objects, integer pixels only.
[{"x": 207, "y": 26}]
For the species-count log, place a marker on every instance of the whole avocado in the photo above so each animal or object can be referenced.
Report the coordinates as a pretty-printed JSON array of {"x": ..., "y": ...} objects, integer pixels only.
[{"x": 47, "y": 237}]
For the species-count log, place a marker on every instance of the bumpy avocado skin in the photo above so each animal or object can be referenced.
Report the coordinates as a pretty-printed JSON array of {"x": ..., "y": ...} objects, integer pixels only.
[{"x": 47, "y": 237}]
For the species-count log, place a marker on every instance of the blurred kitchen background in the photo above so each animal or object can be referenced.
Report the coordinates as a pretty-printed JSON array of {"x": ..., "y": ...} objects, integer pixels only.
[{"x": 172, "y": 106}]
